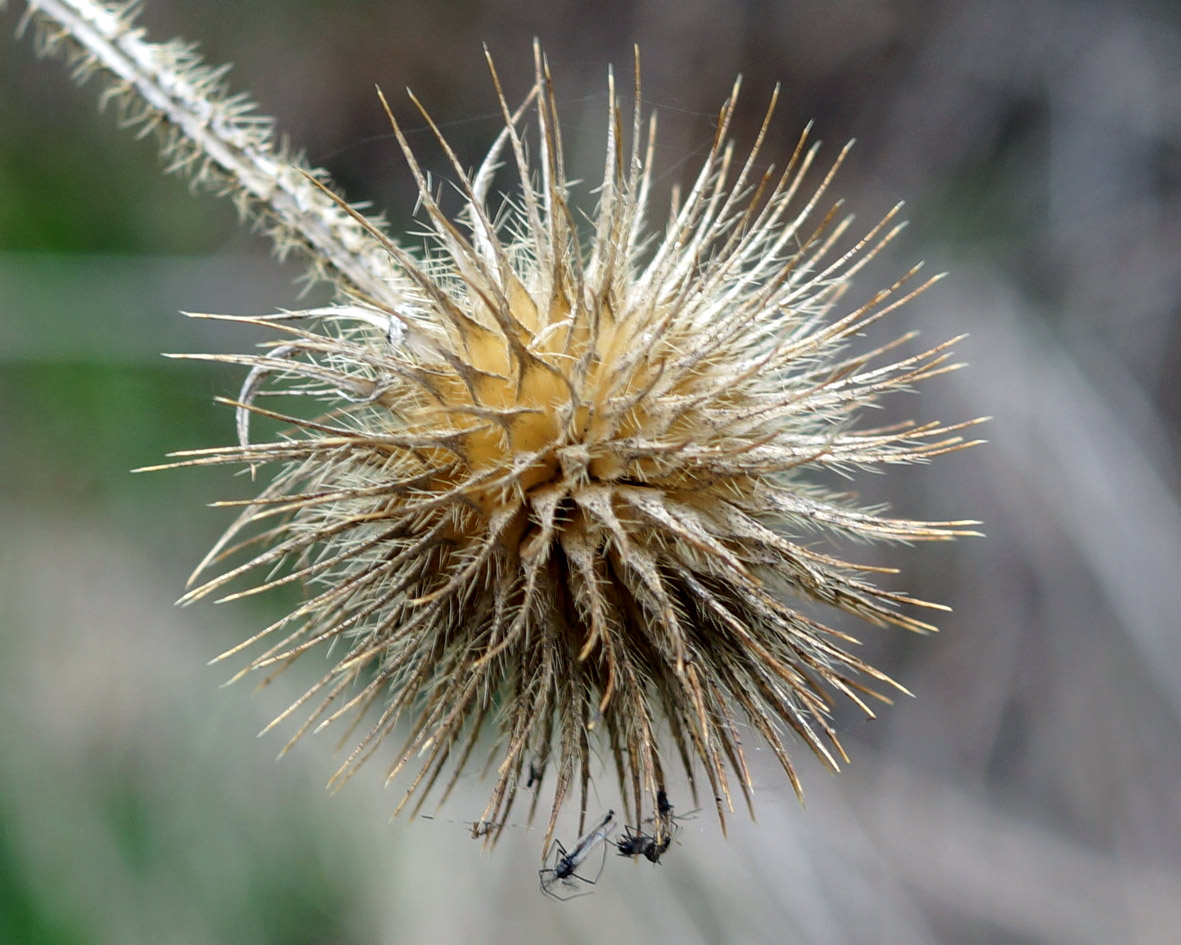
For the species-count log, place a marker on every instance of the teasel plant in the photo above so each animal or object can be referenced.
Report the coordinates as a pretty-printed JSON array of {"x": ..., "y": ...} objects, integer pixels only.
[{"x": 554, "y": 476}]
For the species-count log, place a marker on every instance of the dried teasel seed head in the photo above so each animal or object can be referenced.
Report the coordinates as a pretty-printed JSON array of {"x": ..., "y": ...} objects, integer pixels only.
[{"x": 562, "y": 482}]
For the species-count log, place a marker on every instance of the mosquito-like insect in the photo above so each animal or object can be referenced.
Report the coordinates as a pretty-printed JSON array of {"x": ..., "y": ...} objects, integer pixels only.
[
  {"x": 634, "y": 842},
  {"x": 562, "y": 875},
  {"x": 638, "y": 843},
  {"x": 666, "y": 818},
  {"x": 536, "y": 773},
  {"x": 652, "y": 846}
]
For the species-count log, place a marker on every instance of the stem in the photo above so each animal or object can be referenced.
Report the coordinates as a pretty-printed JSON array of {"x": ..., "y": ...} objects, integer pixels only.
[{"x": 217, "y": 140}]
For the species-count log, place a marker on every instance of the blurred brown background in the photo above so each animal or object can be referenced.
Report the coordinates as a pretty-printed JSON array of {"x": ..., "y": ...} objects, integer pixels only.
[{"x": 1031, "y": 794}]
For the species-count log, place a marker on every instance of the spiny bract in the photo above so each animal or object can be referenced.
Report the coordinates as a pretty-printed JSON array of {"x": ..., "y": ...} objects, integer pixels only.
[{"x": 563, "y": 483}]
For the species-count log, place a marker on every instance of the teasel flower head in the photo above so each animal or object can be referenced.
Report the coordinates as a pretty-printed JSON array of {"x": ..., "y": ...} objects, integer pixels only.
[{"x": 562, "y": 478}]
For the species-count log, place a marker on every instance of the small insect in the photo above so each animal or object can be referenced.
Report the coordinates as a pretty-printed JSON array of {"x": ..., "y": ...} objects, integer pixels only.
[
  {"x": 670, "y": 822},
  {"x": 562, "y": 875},
  {"x": 638, "y": 843},
  {"x": 656, "y": 849},
  {"x": 652, "y": 846},
  {"x": 634, "y": 842},
  {"x": 536, "y": 773}
]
